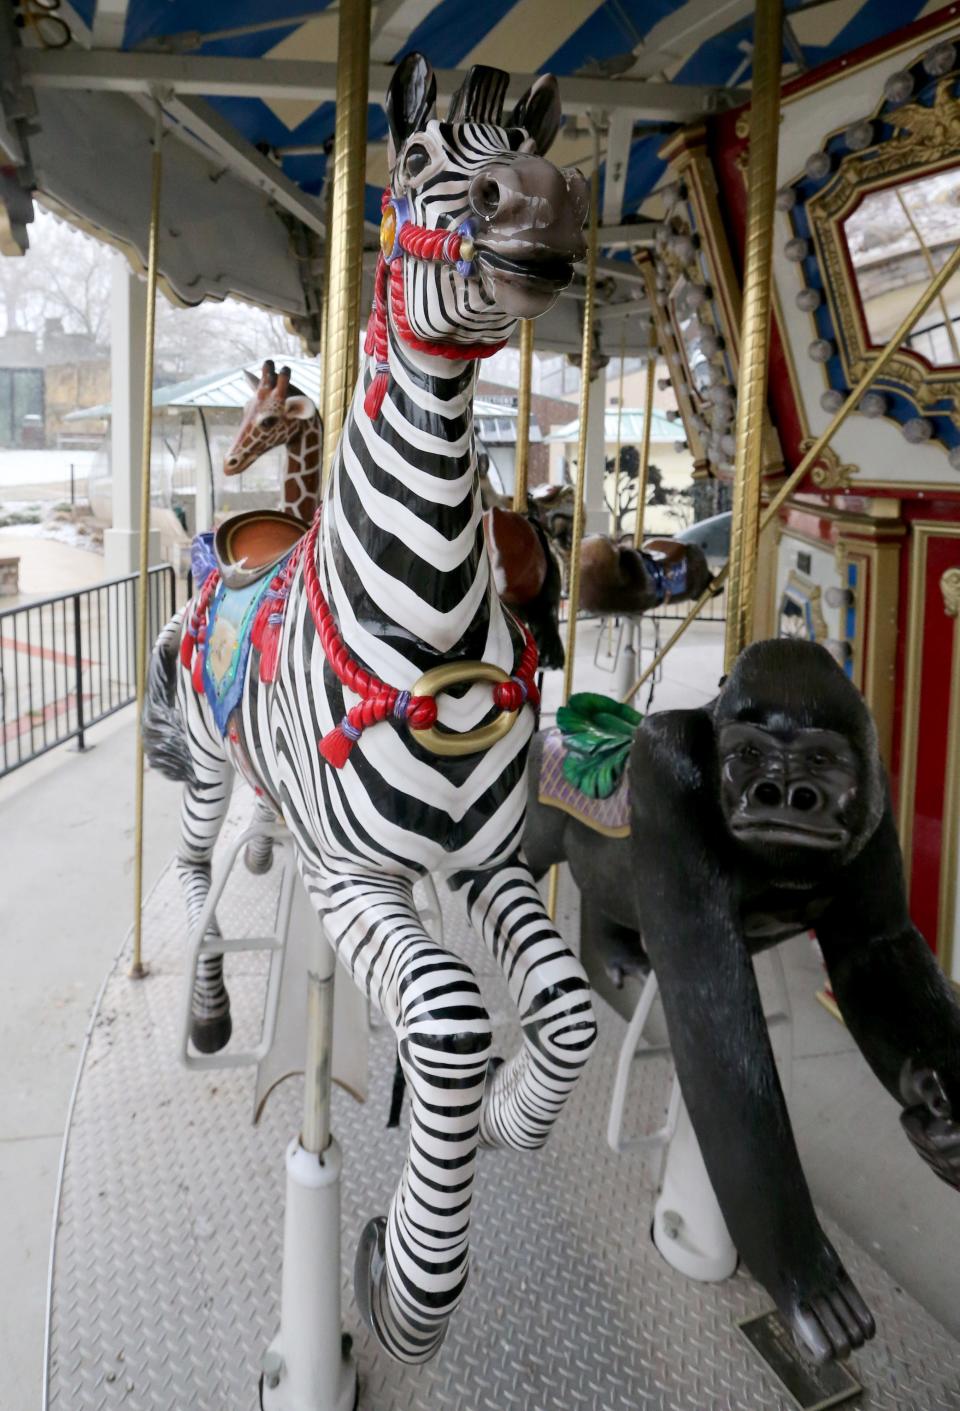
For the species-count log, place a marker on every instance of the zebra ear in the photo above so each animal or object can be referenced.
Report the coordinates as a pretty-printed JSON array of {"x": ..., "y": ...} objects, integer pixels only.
[
  {"x": 410, "y": 102},
  {"x": 539, "y": 112},
  {"x": 480, "y": 96}
]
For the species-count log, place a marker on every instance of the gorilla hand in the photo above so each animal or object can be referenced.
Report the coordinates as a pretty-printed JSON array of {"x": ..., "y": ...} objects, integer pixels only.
[{"x": 928, "y": 1120}]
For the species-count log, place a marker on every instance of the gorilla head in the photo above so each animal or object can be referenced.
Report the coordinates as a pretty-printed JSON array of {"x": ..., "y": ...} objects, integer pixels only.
[{"x": 800, "y": 778}]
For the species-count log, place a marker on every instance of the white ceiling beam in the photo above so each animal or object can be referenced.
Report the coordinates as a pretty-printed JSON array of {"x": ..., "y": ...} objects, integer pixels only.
[
  {"x": 393, "y": 23},
  {"x": 242, "y": 158},
  {"x": 227, "y": 77},
  {"x": 627, "y": 237},
  {"x": 680, "y": 34},
  {"x": 109, "y": 23},
  {"x": 619, "y": 142}
]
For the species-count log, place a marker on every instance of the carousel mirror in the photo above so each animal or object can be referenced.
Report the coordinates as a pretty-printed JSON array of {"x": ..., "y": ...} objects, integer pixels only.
[{"x": 896, "y": 239}]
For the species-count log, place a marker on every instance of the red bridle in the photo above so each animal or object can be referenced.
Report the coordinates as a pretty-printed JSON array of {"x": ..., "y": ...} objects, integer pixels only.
[{"x": 399, "y": 236}]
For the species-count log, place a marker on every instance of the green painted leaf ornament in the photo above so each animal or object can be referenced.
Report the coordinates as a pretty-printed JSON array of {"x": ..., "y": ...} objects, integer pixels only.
[{"x": 597, "y": 734}]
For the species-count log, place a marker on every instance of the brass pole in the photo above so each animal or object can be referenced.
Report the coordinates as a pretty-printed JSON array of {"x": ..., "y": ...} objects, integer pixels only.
[
  {"x": 137, "y": 970},
  {"x": 755, "y": 323},
  {"x": 345, "y": 232},
  {"x": 616, "y": 459},
  {"x": 816, "y": 450},
  {"x": 644, "y": 453},
  {"x": 523, "y": 416},
  {"x": 573, "y": 597},
  {"x": 325, "y": 312}
]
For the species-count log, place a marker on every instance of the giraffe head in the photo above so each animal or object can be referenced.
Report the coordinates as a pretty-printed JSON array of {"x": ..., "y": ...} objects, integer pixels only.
[{"x": 275, "y": 415}]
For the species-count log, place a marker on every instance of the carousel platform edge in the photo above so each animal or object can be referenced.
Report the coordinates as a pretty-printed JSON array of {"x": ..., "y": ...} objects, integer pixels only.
[{"x": 166, "y": 1249}]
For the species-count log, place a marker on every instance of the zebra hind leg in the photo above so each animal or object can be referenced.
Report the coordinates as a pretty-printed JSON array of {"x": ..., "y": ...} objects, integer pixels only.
[
  {"x": 203, "y": 810},
  {"x": 258, "y": 854},
  {"x": 411, "y": 1265},
  {"x": 547, "y": 983}
]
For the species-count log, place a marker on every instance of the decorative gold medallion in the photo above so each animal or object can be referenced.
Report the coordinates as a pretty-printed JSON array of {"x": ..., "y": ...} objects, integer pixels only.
[{"x": 388, "y": 232}]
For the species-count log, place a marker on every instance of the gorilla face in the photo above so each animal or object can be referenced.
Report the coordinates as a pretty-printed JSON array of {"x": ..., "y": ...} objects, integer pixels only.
[{"x": 791, "y": 791}]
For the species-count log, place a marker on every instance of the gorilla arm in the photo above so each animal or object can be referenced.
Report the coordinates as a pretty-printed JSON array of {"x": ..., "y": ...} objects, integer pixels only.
[
  {"x": 895, "y": 999},
  {"x": 688, "y": 899}
]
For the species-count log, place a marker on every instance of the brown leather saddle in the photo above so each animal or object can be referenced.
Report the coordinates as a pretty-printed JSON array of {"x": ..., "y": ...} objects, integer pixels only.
[{"x": 248, "y": 545}]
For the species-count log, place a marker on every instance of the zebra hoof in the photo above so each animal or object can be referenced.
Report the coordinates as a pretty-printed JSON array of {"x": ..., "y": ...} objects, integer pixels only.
[
  {"x": 257, "y": 860},
  {"x": 369, "y": 1266},
  {"x": 211, "y": 1035},
  {"x": 369, "y": 1273}
]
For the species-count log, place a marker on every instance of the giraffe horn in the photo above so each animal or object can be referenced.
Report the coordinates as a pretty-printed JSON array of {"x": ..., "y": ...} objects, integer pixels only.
[
  {"x": 283, "y": 382},
  {"x": 268, "y": 378}
]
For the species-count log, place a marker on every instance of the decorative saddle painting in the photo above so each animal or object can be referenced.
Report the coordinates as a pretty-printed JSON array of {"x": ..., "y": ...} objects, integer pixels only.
[{"x": 584, "y": 767}]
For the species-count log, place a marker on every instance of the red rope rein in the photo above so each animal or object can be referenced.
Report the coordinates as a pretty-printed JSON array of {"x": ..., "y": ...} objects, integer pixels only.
[{"x": 378, "y": 701}]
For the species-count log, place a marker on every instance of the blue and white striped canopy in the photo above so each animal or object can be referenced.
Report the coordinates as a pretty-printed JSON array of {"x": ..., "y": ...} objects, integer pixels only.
[
  {"x": 703, "y": 42},
  {"x": 246, "y": 90}
]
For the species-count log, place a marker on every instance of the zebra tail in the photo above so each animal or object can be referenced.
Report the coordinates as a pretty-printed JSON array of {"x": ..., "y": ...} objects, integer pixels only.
[{"x": 164, "y": 733}]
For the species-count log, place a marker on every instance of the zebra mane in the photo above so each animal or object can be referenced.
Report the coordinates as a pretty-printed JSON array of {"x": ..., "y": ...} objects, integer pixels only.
[{"x": 480, "y": 97}]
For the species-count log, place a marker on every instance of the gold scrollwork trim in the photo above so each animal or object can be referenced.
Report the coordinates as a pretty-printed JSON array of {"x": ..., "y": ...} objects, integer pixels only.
[
  {"x": 926, "y": 140},
  {"x": 828, "y": 473}
]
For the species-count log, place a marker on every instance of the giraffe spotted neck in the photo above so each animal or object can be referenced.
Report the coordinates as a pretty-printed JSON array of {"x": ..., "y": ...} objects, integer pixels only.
[{"x": 278, "y": 414}]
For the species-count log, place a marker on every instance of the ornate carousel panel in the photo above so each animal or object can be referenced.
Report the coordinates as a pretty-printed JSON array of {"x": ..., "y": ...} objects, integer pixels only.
[{"x": 167, "y": 1260}]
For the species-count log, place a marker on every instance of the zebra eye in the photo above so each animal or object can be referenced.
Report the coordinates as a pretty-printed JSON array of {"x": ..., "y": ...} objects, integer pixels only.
[{"x": 416, "y": 160}]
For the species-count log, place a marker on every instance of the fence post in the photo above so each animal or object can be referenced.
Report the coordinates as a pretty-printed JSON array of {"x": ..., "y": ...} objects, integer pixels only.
[{"x": 78, "y": 672}]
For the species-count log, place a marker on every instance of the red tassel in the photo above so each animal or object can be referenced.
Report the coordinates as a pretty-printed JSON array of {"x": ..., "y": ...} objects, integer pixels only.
[
  {"x": 376, "y": 392},
  {"x": 269, "y": 653},
  {"x": 335, "y": 747},
  {"x": 186, "y": 648}
]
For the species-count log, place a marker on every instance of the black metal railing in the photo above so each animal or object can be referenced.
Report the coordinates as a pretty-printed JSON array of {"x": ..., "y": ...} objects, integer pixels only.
[{"x": 69, "y": 661}]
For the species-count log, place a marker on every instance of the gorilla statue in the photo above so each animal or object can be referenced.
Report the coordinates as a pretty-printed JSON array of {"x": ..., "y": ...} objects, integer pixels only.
[{"x": 758, "y": 816}]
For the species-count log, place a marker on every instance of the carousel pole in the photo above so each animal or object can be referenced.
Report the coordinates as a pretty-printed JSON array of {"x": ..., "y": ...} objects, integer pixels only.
[
  {"x": 308, "y": 1366},
  {"x": 137, "y": 969},
  {"x": 345, "y": 231},
  {"x": 755, "y": 324},
  {"x": 644, "y": 453},
  {"x": 586, "y": 351},
  {"x": 523, "y": 416},
  {"x": 616, "y": 459}
]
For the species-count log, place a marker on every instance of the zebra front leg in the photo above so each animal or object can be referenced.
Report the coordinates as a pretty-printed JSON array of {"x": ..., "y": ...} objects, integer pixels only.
[
  {"x": 202, "y": 811},
  {"x": 411, "y": 1264},
  {"x": 552, "y": 994},
  {"x": 258, "y": 854}
]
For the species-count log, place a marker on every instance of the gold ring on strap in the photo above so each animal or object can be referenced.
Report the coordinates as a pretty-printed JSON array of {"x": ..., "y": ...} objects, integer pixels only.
[{"x": 455, "y": 673}]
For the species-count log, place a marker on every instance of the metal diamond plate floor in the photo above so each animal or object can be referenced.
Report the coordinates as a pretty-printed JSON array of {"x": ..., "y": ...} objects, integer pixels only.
[{"x": 166, "y": 1267}]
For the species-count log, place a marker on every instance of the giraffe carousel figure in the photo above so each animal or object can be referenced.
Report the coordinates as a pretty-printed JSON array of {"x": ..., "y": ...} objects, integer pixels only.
[{"x": 380, "y": 697}]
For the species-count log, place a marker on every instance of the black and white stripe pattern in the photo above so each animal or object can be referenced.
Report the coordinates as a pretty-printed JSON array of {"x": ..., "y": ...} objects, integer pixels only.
[{"x": 402, "y": 562}]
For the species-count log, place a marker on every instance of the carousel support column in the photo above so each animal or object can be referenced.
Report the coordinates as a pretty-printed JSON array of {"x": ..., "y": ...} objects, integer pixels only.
[
  {"x": 595, "y": 515},
  {"x": 137, "y": 970},
  {"x": 523, "y": 416},
  {"x": 634, "y": 637},
  {"x": 128, "y": 322},
  {"x": 586, "y": 351},
  {"x": 345, "y": 231},
  {"x": 308, "y": 1366},
  {"x": 755, "y": 324},
  {"x": 203, "y": 502}
]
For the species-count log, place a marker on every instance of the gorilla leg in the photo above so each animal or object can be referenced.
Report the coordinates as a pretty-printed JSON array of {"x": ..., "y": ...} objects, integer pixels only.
[{"x": 689, "y": 910}]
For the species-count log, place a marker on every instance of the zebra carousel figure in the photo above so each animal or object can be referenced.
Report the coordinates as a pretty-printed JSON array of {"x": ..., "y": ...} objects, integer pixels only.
[{"x": 375, "y": 692}]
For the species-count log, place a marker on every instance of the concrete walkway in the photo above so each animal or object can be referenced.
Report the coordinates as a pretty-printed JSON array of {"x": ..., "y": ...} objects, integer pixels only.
[{"x": 65, "y": 905}]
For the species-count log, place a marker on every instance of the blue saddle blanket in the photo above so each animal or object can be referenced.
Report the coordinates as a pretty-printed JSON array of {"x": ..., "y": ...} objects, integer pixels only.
[{"x": 227, "y": 646}]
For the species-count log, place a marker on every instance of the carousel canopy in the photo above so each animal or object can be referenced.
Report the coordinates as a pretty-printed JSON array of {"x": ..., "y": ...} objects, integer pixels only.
[
  {"x": 246, "y": 89},
  {"x": 627, "y": 427}
]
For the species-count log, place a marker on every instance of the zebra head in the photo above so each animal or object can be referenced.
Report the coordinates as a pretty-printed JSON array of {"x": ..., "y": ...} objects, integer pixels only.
[
  {"x": 487, "y": 175},
  {"x": 274, "y": 414}
]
